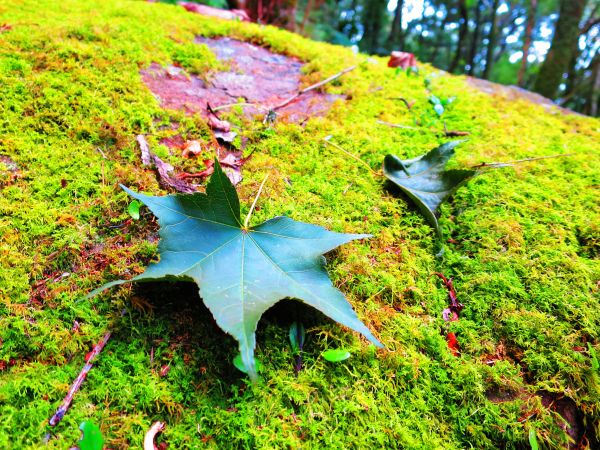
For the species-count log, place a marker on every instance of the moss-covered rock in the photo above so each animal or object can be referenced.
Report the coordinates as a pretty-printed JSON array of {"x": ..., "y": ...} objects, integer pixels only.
[{"x": 523, "y": 252}]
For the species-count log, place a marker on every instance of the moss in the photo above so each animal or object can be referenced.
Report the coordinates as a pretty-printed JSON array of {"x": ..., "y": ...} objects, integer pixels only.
[{"x": 524, "y": 252}]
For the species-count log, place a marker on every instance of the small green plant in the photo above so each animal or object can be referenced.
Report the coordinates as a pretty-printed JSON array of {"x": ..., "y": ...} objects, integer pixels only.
[
  {"x": 440, "y": 104},
  {"x": 533, "y": 439},
  {"x": 134, "y": 209},
  {"x": 336, "y": 355},
  {"x": 91, "y": 438}
]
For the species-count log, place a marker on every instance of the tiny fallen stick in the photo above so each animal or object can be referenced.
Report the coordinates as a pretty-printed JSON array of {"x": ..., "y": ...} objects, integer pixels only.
[
  {"x": 447, "y": 133},
  {"x": 398, "y": 125},
  {"x": 312, "y": 87},
  {"x": 156, "y": 428},
  {"x": 89, "y": 359},
  {"x": 231, "y": 105}
]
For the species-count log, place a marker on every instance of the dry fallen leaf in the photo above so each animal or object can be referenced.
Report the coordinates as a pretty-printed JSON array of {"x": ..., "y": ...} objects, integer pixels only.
[
  {"x": 403, "y": 60},
  {"x": 217, "y": 124},
  {"x": 191, "y": 148}
]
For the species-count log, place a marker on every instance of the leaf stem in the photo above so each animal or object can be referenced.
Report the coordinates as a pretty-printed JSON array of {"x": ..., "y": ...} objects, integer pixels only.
[
  {"x": 510, "y": 163},
  {"x": 254, "y": 202},
  {"x": 333, "y": 144}
]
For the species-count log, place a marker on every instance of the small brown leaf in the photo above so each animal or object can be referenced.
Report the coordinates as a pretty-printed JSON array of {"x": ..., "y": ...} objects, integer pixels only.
[
  {"x": 403, "y": 60},
  {"x": 217, "y": 124},
  {"x": 191, "y": 148}
]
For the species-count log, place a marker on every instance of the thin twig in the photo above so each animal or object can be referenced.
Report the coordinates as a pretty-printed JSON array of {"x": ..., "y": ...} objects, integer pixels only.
[
  {"x": 64, "y": 406},
  {"x": 447, "y": 133},
  {"x": 333, "y": 144},
  {"x": 406, "y": 127},
  {"x": 156, "y": 428},
  {"x": 312, "y": 87},
  {"x": 254, "y": 202},
  {"x": 231, "y": 105},
  {"x": 518, "y": 161}
]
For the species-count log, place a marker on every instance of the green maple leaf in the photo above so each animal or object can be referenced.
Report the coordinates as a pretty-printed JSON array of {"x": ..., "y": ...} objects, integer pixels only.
[
  {"x": 242, "y": 272},
  {"x": 425, "y": 181}
]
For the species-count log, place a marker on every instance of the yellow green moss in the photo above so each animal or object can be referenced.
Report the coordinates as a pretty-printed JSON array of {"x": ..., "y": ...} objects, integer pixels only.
[{"x": 524, "y": 255}]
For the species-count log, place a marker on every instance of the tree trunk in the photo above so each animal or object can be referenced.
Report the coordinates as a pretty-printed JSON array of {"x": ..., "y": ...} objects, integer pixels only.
[
  {"x": 396, "y": 36},
  {"x": 527, "y": 42},
  {"x": 593, "y": 100},
  {"x": 439, "y": 40},
  {"x": 309, "y": 5},
  {"x": 281, "y": 13},
  {"x": 462, "y": 34},
  {"x": 564, "y": 41},
  {"x": 489, "y": 57},
  {"x": 475, "y": 40},
  {"x": 372, "y": 21}
]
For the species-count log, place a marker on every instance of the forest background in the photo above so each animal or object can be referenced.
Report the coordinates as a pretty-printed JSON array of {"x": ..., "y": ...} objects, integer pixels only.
[{"x": 546, "y": 46}]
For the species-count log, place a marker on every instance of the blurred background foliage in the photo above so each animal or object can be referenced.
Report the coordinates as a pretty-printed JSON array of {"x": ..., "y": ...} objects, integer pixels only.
[{"x": 546, "y": 46}]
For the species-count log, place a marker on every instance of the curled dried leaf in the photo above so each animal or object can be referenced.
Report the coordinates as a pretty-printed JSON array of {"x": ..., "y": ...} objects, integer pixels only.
[{"x": 404, "y": 60}]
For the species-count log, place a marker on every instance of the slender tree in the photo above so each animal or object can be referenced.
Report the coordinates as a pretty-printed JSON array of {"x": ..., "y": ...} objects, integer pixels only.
[
  {"x": 489, "y": 57},
  {"x": 462, "y": 34},
  {"x": 566, "y": 35},
  {"x": 439, "y": 38},
  {"x": 396, "y": 36},
  {"x": 527, "y": 41},
  {"x": 475, "y": 39},
  {"x": 373, "y": 19}
]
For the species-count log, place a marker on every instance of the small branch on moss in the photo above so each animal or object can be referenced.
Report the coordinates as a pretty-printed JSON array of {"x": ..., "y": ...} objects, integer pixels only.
[
  {"x": 445, "y": 132},
  {"x": 404, "y": 127},
  {"x": 89, "y": 359},
  {"x": 254, "y": 202},
  {"x": 518, "y": 161},
  {"x": 156, "y": 428},
  {"x": 232, "y": 105},
  {"x": 312, "y": 87},
  {"x": 333, "y": 144}
]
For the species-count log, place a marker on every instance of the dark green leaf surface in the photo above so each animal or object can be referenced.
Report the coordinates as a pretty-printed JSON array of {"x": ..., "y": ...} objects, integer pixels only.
[
  {"x": 425, "y": 181},
  {"x": 243, "y": 272}
]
